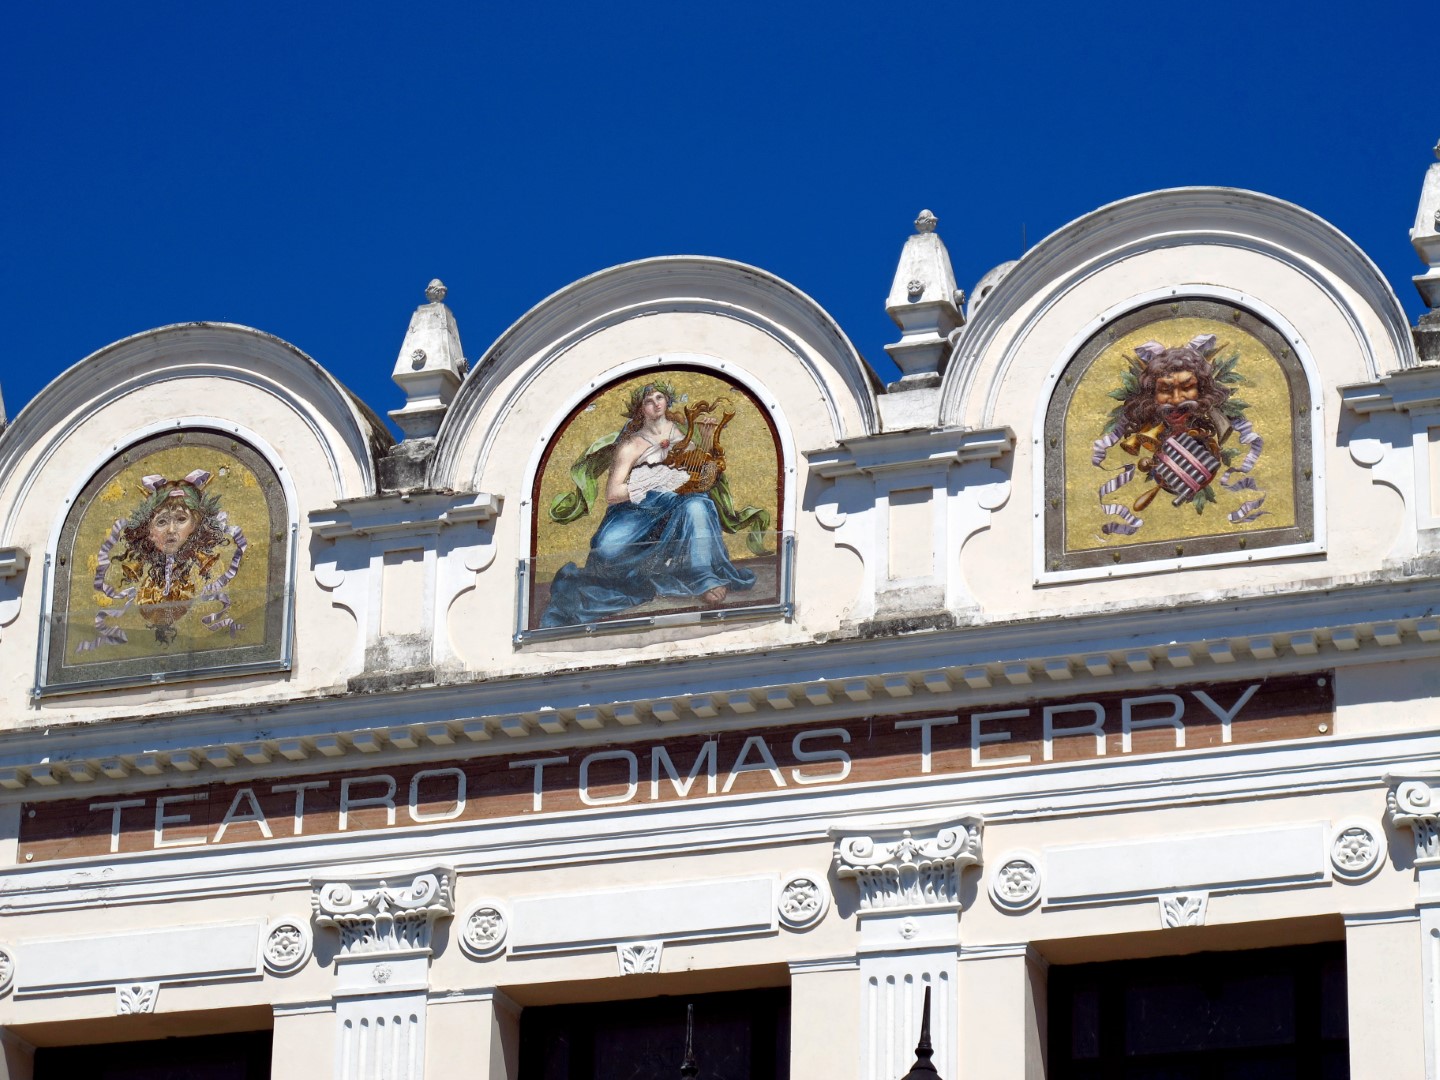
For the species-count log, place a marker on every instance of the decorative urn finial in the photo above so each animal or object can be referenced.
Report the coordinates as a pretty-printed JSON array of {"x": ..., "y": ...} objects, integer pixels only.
[
  {"x": 435, "y": 291},
  {"x": 926, "y": 222}
]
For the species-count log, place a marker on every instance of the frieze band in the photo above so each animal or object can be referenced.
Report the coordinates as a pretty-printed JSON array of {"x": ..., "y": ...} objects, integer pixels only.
[{"x": 718, "y": 764}]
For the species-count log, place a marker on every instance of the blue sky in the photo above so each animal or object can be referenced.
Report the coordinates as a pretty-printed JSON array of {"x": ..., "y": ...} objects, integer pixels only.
[{"x": 306, "y": 169}]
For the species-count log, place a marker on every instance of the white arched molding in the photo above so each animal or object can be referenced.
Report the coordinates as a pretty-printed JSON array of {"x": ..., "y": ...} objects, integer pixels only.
[
  {"x": 345, "y": 431},
  {"x": 1181, "y": 217},
  {"x": 678, "y": 284}
]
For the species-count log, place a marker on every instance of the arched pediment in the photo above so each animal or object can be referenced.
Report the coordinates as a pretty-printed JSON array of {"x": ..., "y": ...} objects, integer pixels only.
[
  {"x": 824, "y": 360},
  {"x": 185, "y": 364},
  {"x": 1107, "y": 250}
]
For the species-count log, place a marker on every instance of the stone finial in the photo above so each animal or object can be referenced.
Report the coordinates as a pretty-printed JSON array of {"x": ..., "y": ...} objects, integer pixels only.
[
  {"x": 922, "y": 303},
  {"x": 1425, "y": 236},
  {"x": 430, "y": 366}
]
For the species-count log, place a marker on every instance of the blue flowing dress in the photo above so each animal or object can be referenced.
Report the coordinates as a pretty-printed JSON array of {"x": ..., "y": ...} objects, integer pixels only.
[{"x": 664, "y": 545}]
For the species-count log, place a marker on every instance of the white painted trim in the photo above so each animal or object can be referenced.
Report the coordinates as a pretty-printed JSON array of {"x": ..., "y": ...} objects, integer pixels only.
[
  {"x": 1179, "y": 292},
  {"x": 1114, "y": 650},
  {"x": 661, "y": 285},
  {"x": 1230, "y": 217},
  {"x": 170, "y": 354}
]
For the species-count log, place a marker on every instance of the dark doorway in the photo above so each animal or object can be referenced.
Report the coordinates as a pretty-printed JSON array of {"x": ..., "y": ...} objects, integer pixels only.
[
  {"x": 245, "y": 1056},
  {"x": 738, "y": 1036},
  {"x": 1266, "y": 1014}
]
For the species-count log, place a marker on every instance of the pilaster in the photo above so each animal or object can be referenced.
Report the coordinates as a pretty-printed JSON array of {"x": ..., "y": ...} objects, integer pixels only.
[
  {"x": 475, "y": 1035},
  {"x": 1414, "y": 804},
  {"x": 909, "y": 923},
  {"x": 382, "y": 970}
]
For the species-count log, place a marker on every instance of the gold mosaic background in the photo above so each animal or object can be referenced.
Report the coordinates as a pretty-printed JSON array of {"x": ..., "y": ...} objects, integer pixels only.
[
  {"x": 752, "y": 462},
  {"x": 240, "y": 495},
  {"x": 1270, "y": 413}
]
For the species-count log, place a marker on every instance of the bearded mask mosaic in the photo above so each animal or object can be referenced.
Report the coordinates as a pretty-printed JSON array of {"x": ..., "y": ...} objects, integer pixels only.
[{"x": 1180, "y": 430}]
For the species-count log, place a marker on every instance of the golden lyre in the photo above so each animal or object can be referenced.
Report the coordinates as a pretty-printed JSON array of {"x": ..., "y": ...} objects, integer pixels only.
[{"x": 699, "y": 452}]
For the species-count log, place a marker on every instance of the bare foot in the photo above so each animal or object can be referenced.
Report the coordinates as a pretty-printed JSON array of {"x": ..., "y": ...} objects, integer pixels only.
[{"x": 715, "y": 596}]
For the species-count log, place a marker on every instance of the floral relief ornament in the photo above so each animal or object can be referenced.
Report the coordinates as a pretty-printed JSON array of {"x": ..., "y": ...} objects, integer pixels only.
[
  {"x": 287, "y": 946},
  {"x": 484, "y": 930},
  {"x": 640, "y": 957},
  {"x": 1016, "y": 885},
  {"x": 7, "y": 971},
  {"x": 1355, "y": 850},
  {"x": 802, "y": 902}
]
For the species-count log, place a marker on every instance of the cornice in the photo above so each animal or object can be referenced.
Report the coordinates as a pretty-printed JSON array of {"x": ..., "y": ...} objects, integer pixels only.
[
  {"x": 904, "y": 450},
  {"x": 12, "y": 561},
  {"x": 1409, "y": 390},
  {"x": 938, "y": 671},
  {"x": 403, "y": 513}
]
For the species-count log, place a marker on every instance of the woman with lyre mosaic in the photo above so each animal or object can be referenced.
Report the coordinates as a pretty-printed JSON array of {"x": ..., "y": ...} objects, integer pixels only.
[{"x": 662, "y": 533}]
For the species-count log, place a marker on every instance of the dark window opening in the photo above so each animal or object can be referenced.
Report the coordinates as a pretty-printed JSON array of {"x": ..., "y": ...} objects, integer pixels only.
[
  {"x": 1267, "y": 1014},
  {"x": 245, "y": 1056},
  {"x": 743, "y": 1035}
]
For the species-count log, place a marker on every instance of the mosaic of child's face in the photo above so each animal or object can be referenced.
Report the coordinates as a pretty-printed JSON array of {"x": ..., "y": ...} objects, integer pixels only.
[{"x": 170, "y": 527}]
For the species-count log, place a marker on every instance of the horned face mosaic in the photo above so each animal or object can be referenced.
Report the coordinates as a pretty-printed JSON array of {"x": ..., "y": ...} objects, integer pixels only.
[
  {"x": 172, "y": 563},
  {"x": 1183, "y": 429},
  {"x": 659, "y": 495}
]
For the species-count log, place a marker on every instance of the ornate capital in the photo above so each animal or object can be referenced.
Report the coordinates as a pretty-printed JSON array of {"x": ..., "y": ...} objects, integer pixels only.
[
  {"x": 1415, "y": 805},
  {"x": 899, "y": 869},
  {"x": 384, "y": 915}
]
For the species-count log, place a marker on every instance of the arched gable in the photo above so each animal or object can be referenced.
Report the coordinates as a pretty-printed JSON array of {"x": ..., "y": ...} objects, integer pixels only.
[
  {"x": 1110, "y": 240},
  {"x": 825, "y": 363},
  {"x": 243, "y": 431}
]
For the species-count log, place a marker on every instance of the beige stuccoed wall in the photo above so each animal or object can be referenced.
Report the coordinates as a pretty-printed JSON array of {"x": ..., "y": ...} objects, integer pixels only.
[
  {"x": 310, "y": 452},
  {"x": 827, "y": 578},
  {"x": 1361, "y": 518}
]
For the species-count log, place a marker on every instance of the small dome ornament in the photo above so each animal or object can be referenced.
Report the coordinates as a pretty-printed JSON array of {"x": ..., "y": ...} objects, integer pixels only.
[
  {"x": 435, "y": 291},
  {"x": 926, "y": 222}
]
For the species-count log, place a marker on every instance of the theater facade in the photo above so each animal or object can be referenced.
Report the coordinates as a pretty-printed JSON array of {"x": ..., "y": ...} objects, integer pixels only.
[{"x": 1085, "y": 676}]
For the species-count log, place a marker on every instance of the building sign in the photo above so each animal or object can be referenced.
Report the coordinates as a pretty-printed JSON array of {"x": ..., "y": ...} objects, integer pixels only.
[{"x": 719, "y": 764}]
